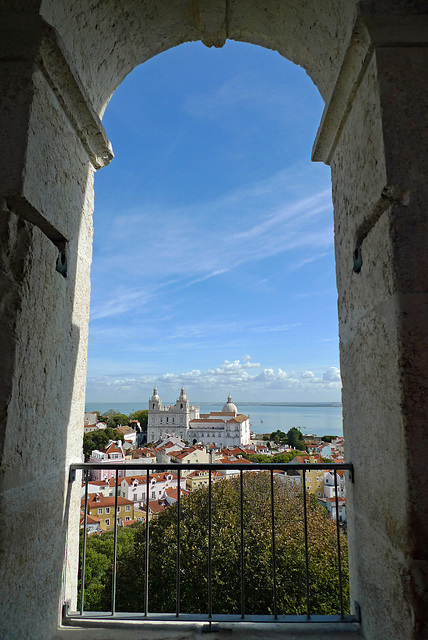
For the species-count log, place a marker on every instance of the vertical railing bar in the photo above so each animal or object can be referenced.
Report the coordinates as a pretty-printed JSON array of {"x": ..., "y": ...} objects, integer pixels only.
[
  {"x": 242, "y": 546},
  {"x": 113, "y": 594},
  {"x": 85, "y": 517},
  {"x": 339, "y": 561},
  {"x": 210, "y": 593},
  {"x": 146, "y": 559},
  {"x": 272, "y": 505},
  {"x": 305, "y": 518},
  {"x": 178, "y": 542}
]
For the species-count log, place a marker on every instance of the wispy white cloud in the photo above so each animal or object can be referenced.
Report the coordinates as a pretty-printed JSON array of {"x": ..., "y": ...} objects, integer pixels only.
[
  {"x": 238, "y": 93},
  {"x": 240, "y": 376},
  {"x": 175, "y": 248}
]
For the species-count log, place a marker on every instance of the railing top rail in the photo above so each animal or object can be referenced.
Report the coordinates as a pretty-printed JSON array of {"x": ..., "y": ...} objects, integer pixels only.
[{"x": 174, "y": 466}]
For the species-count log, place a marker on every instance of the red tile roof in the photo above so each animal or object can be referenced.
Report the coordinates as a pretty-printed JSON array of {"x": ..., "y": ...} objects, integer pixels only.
[
  {"x": 98, "y": 500},
  {"x": 142, "y": 479},
  {"x": 173, "y": 492},
  {"x": 156, "y": 506},
  {"x": 222, "y": 413},
  {"x": 97, "y": 483},
  {"x": 89, "y": 519}
]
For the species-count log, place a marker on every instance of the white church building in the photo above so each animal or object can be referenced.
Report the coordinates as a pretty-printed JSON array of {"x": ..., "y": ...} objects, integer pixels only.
[{"x": 225, "y": 428}]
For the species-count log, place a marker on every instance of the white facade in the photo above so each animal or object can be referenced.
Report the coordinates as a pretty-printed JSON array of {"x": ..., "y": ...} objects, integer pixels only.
[
  {"x": 329, "y": 486},
  {"x": 169, "y": 420},
  {"x": 111, "y": 453},
  {"x": 226, "y": 428},
  {"x": 135, "y": 488}
]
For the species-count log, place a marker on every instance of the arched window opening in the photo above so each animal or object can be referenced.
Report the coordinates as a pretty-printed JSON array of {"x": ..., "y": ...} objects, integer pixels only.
[
  {"x": 229, "y": 226},
  {"x": 213, "y": 192}
]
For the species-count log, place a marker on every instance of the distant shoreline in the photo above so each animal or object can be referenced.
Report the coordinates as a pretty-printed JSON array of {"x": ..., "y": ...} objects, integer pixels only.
[{"x": 237, "y": 402}]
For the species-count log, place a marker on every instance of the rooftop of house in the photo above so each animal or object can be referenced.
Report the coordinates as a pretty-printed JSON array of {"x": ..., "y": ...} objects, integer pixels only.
[
  {"x": 128, "y": 523},
  {"x": 162, "y": 476},
  {"x": 157, "y": 506},
  {"x": 89, "y": 519},
  {"x": 98, "y": 500},
  {"x": 173, "y": 492}
]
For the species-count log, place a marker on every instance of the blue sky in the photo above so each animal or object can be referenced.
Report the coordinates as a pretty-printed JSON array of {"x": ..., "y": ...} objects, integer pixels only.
[{"x": 213, "y": 261}]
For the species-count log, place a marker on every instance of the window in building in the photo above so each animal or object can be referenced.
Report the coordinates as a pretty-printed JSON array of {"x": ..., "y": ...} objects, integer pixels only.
[
  {"x": 107, "y": 509},
  {"x": 100, "y": 511},
  {"x": 107, "y": 521},
  {"x": 134, "y": 497},
  {"x": 153, "y": 495},
  {"x": 127, "y": 508}
]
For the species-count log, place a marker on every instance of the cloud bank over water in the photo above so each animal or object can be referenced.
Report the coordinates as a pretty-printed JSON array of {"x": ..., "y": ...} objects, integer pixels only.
[{"x": 246, "y": 378}]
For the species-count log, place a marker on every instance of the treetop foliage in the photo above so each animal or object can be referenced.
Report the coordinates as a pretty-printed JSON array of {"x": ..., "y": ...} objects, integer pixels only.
[
  {"x": 264, "y": 458},
  {"x": 226, "y": 555},
  {"x": 99, "y": 439},
  {"x": 295, "y": 439},
  {"x": 142, "y": 416}
]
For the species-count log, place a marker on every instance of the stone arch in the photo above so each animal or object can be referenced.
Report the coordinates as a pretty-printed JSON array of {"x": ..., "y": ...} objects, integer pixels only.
[
  {"x": 61, "y": 61},
  {"x": 106, "y": 43}
]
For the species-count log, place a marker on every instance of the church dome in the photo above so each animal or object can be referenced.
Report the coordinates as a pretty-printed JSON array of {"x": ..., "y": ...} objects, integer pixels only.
[
  {"x": 230, "y": 407},
  {"x": 155, "y": 395}
]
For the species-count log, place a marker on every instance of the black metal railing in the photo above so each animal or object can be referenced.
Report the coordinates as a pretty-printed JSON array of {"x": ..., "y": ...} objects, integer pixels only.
[{"x": 71, "y": 617}]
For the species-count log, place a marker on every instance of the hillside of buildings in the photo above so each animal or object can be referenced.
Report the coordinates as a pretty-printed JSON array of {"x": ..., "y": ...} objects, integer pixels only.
[{"x": 150, "y": 497}]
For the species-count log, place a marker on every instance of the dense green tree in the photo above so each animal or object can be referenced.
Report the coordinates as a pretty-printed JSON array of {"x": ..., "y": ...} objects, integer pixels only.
[
  {"x": 290, "y": 556},
  {"x": 99, "y": 564},
  {"x": 295, "y": 439},
  {"x": 278, "y": 436},
  {"x": 116, "y": 420},
  {"x": 328, "y": 438},
  {"x": 111, "y": 412},
  {"x": 114, "y": 434},
  {"x": 142, "y": 416},
  {"x": 264, "y": 458},
  {"x": 98, "y": 439},
  {"x": 94, "y": 440}
]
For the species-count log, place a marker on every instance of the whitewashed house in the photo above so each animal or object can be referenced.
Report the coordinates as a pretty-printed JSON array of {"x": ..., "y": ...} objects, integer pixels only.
[{"x": 110, "y": 454}]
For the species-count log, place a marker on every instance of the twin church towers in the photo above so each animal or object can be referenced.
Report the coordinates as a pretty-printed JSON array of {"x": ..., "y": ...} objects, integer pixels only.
[{"x": 221, "y": 428}]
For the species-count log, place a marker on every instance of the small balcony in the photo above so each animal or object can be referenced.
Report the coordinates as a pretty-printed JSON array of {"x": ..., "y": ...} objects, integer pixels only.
[{"x": 251, "y": 551}]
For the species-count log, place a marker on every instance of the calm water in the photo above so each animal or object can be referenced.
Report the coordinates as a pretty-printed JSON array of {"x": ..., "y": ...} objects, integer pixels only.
[{"x": 321, "y": 419}]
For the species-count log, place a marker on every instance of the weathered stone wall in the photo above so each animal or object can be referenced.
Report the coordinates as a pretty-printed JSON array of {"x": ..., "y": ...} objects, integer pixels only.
[
  {"x": 106, "y": 40},
  {"x": 46, "y": 196},
  {"x": 380, "y": 194}
]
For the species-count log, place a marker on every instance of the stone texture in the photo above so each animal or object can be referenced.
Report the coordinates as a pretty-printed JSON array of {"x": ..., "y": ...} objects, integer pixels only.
[{"x": 247, "y": 631}]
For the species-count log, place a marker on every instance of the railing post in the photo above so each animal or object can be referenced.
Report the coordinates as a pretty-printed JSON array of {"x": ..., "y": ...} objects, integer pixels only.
[
  {"x": 85, "y": 516},
  {"x": 210, "y": 592},
  {"x": 339, "y": 561},
  {"x": 113, "y": 586},
  {"x": 146, "y": 559},
  {"x": 305, "y": 519},
  {"x": 272, "y": 505},
  {"x": 177, "y": 613},
  {"x": 242, "y": 545}
]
